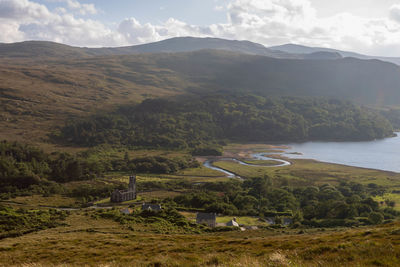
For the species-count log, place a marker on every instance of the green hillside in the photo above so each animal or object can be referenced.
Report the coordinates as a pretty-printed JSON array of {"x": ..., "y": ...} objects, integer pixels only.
[
  {"x": 37, "y": 95},
  {"x": 183, "y": 122}
]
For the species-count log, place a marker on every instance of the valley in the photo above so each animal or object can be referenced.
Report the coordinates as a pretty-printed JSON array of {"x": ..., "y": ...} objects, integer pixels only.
[
  {"x": 83, "y": 235},
  {"x": 200, "y": 123}
]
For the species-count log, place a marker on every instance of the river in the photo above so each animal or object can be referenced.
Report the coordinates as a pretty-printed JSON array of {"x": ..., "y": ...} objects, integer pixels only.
[{"x": 256, "y": 156}]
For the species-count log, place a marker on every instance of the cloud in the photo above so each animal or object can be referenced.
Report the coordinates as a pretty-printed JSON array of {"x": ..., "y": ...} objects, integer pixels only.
[
  {"x": 269, "y": 22},
  {"x": 9, "y": 31},
  {"x": 273, "y": 22},
  {"x": 26, "y": 20},
  {"x": 82, "y": 8},
  {"x": 137, "y": 33},
  {"x": 395, "y": 13},
  {"x": 134, "y": 32},
  {"x": 76, "y": 7},
  {"x": 22, "y": 9}
]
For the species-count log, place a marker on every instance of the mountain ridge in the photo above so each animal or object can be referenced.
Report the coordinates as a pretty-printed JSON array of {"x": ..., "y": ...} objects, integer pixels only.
[
  {"x": 38, "y": 49},
  {"x": 301, "y": 49}
]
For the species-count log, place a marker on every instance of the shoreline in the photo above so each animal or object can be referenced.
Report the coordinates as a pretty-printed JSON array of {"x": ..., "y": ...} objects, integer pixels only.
[{"x": 288, "y": 153}]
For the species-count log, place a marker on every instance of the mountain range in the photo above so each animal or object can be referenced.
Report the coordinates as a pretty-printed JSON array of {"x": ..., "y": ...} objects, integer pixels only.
[
  {"x": 43, "y": 84},
  {"x": 300, "y": 49},
  {"x": 40, "y": 49}
]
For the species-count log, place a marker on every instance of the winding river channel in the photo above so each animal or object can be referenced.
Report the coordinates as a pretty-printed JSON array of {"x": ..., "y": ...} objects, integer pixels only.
[{"x": 255, "y": 156}]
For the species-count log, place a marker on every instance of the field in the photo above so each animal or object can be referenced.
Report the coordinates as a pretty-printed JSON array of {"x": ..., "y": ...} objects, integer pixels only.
[
  {"x": 391, "y": 197},
  {"x": 310, "y": 172},
  {"x": 94, "y": 242},
  {"x": 86, "y": 239}
]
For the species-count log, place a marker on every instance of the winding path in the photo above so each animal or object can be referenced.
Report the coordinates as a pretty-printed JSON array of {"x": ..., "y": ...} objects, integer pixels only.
[{"x": 256, "y": 156}]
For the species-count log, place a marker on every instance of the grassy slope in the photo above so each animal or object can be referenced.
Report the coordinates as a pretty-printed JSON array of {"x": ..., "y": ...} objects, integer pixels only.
[
  {"x": 35, "y": 96},
  {"x": 93, "y": 242},
  {"x": 98, "y": 241}
]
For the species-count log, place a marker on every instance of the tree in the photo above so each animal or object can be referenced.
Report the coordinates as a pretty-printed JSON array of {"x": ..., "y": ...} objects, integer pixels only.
[{"x": 375, "y": 217}]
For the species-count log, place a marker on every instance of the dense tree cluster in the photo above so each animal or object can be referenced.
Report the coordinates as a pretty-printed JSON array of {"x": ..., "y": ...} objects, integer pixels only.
[
  {"x": 28, "y": 170},
  {"x": 199, "y": 121},
  {"x": 323, "y": 206},
  {"x": 393, "y": 116},
  {"x": 23, "y": 167},
  {"x": 154, "y": 164}
]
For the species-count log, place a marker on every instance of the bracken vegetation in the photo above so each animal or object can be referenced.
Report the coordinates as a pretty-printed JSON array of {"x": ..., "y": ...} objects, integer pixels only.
[{"x": 18, "y": 222}]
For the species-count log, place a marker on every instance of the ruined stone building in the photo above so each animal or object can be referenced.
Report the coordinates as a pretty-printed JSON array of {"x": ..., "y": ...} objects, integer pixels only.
[{"x": 125, "y": 195}]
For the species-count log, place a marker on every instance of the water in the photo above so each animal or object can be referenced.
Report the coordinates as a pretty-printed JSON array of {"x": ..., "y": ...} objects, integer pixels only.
[
  {"x": 209, "y": 164},
  {"x": 379, "y": 154},
  {"x": 257, "y": 156}
]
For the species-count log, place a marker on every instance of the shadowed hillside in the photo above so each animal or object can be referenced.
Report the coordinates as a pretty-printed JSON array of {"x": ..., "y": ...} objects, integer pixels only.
[
  {"x": 370, "y": 82},
  {"x": 301, "y": 49},
  {"x": 37, "y": 95}
]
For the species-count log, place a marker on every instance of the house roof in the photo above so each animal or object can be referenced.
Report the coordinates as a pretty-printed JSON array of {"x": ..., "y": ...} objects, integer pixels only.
[{"x": 206, "y": 216}]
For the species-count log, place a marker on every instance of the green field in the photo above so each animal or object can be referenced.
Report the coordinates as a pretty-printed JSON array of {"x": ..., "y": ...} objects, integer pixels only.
[
  {"x": 390, "y": 197},
  {"x": 310, "y": 172}
]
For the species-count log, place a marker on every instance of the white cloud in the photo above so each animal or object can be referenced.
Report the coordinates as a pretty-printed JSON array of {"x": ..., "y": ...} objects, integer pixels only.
[
  {"x": 395, "y": 13},
  {"x": 269, "y": 22},
  {"x": 219, "y": 8},
  {"x": 83, "y": 9},
  {"x": 22, "y": 9},
  {"x": 9, "y": 31},
  {"x": 27, "y": 20},
  {"x": 135, "y": 33},
  {"x": 76, "y": 7},
  {"x": 272, "y": 22}
]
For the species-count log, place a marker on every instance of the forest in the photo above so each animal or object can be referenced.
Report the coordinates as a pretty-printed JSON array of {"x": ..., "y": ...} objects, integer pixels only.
[
  {"x": 347, "y": 204},
  {"x": 198, "y": 121},
  {"x": 27, "y": 170}
]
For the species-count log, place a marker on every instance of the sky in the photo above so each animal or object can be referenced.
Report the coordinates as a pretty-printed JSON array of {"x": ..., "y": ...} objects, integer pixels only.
[{"x": 365, "y": 26}]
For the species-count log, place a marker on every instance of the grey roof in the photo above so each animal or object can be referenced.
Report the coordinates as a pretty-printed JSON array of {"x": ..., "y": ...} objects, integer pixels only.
[{"x": 206, "y": 216}]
